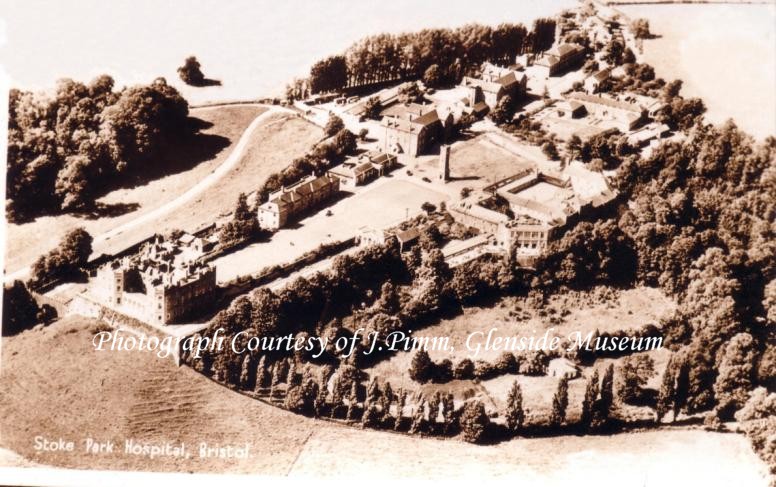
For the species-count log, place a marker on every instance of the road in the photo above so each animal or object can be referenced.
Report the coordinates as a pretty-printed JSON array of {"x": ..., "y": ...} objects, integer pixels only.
[{"x": 100, "y": 241}]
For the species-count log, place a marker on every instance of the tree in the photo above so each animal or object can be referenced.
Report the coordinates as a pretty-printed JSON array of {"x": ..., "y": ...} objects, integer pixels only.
[
  {"x": 388, "y": 302},
  {"x": 573, "y": 145},
  {"x": 243, "y": 225},
  {"x": 550, "y": 150},
  {"x": 503, "y": 111},
  {"x": 667, "y": 394},
  {"x": 736, "y": 374},
  {"x": 474, "y": 421},
  {"x": 66, "y": 260},
  {"x": 352, "y": 401},
  {"x": 371, "y": 417},
  {"x": 559, "y": 403},
  {"x": 330, "y": 74},
  {"x": 606, "y": 401},
  {"x": 419, "y": 424},
  {"x": 464, "y": 369},
  {"x": 428, "y": 207},
  {"x": 68, "y": 148},
  {"x": 372, "y": 108},
  {"x": 422, "y": 368},
  {"x": 589, "y": 401},
  {"x": 333, "y": 125},
  {"x": 245, "y": 373},
  {"x": 634, "y": 372},
  {"x": 20, "y": 310},
  {"x": 300, "y": 398},
  {"x": 682, "y": 387},
  {"x": 263, "y": 377},
  {"x": 514, "y": 413},
  {"x": 433, "y": 78},
  {"x": 640, "y": 28},
  {"x": 190, "y": 72}
]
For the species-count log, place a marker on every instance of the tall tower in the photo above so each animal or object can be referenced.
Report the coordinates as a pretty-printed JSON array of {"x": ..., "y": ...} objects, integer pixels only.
[{"x": 444, "y": 162}]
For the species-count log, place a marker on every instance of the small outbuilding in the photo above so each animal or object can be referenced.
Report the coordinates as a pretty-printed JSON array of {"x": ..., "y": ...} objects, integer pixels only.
[{"x": 563, "y": 367}]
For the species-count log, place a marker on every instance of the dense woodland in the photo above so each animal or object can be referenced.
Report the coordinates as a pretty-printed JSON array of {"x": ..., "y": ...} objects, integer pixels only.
[
  {"x": 68, "y": 148},
  {"x": 448, "y": 53}
]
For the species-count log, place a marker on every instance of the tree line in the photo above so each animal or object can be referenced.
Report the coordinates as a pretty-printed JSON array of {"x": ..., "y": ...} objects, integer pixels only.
[{"x": 444, "y": 55}]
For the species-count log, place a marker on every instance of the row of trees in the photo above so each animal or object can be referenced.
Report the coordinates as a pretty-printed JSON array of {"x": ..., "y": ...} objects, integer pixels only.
[
  {"x": 441, "y": 56},
  {"x": 67, "y": 149},
  {"x": 322, "y": 157}
]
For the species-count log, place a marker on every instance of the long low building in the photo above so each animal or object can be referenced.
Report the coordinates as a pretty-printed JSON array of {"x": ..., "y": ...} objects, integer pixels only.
[
  {"x": 543, "y": 205},
  {"x": 359, "y": 170},
  {"x": 288, "y": 203},
  {"x": 621, "y": 115}
]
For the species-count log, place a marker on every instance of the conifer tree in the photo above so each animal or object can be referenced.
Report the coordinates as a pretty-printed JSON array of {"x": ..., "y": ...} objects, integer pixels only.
[
  {"x": 606, "y": 401},
  {"x": 591, "y": 396},
  {"x": 474, "y": 421},
  {"x": 560, "y": 402},
  {"x": 320, "y": 401},
  {"x": 433, "y": 408},
  {"x": 370, "y": 417},
  {"x": 245, "y": 373},
  {"x": 418, "y": 418},
  {"x": 682, "y": 388},
  {"x": 449, "y": 412},
  {"x": 275, "y": 371},
  {"x": 373, "y": 392},
  {"x": 401, "y": 402},
  {"x": 353, "y": 401},
  {"x": 336, "y": 396},
  {"x": 514, "y": 413},
  {"x": 262, "y": 377},
  {"x": 292, "y": 377},
  {"x": 667, "y": 393}
]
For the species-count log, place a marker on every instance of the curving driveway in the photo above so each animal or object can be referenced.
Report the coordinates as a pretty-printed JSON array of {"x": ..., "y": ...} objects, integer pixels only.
[{"x": 146, "y": 218}]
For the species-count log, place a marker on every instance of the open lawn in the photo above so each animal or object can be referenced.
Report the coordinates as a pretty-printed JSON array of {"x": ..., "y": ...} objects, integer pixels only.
[
  {"x": 479, "y": 158},
  {"x": 380, "y": 204},
  {"x": 27, "y": 241},
  {"x": 77, "y": 392}
]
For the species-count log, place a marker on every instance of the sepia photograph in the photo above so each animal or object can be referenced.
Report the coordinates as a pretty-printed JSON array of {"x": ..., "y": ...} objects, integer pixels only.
[{"x": 418, "y": 241}]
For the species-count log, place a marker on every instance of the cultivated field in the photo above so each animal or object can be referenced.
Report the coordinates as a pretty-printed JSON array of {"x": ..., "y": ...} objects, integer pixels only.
[
  {"x": 27, "y": 241},
  {"x": 76, "y": 392},
  {"x": 379, "y": 204}
]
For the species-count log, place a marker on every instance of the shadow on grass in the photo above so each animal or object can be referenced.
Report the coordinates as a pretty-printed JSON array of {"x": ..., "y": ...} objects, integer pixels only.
[
  {"x": 205, "y": 83},
  {"x": 109, "y": 210}
]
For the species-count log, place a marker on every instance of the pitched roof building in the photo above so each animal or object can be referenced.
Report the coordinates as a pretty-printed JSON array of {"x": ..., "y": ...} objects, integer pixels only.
[
  {"x": 494, "y": 83},
  {"x": 560, "y": 58},
  {"x": 290, "y": 202}
]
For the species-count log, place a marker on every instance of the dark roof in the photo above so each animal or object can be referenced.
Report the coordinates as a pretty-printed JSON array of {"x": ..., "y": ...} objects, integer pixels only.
[
  {"x": 480, "y": 107},
  {"x": 408, "y": 235},
  {"x": 427, "y": 118},
  {"x": 507, "y": 80}
]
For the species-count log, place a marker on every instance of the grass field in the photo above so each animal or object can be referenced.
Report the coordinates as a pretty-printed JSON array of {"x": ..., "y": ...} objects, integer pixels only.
[
  {"x": 481, "y": 159},
  {"x": 27, "y": 241},
  {"x": 624, "y": 310},
  {"x": 75, "y": 392}
]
